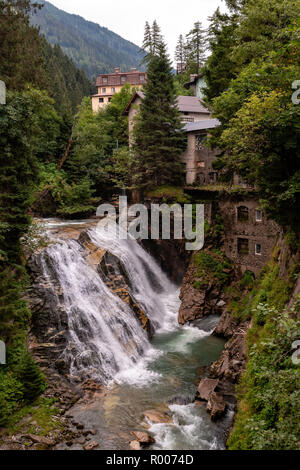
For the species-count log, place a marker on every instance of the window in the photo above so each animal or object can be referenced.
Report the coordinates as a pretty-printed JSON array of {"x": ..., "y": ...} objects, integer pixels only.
[
  {"x": 243, "y": 214},
  {"x": 243, "y": 246},
  {"x": 104, "y": 79},
  {"x": 258, "y": 249},
  {"x": 123, "y": 79},
  {"x": 103, "y": 90},
  {"x": 113, "y": 89},
  {"x": 212, "y": 177},
  {"x": 101, "y": 100},
  {"x": 199, "y": 141},
  {"x": 109, "y": 99},
  {"x": 188, "y": 119},
  {"x": 258, "y": 215},
  {"x": 142, "y": 78}
]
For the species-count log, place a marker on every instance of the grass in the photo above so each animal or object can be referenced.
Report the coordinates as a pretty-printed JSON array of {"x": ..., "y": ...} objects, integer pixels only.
[
  {"x": 166, "y": 193},
  {"x": 36, "y": 418}
]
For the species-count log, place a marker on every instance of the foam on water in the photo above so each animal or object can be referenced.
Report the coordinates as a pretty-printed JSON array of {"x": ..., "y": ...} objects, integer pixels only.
[{"x": 189, "y": 431}]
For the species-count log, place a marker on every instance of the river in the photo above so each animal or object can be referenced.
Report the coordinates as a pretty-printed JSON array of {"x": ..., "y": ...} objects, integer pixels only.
[{"x": 108, "y": 343}]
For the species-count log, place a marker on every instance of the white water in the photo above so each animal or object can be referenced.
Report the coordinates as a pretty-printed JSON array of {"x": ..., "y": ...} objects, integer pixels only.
[
  {"x": 108, "y": 344},
  {"x": 105, "y": 336}
]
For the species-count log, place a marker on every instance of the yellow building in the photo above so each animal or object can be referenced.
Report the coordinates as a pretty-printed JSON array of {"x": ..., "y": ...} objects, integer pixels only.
[{"x": 111, "y": 83}]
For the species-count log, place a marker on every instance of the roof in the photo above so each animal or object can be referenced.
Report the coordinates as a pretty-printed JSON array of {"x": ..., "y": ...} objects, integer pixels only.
[
  {"x": 186, "y": 104},
  {"x": 191, "y": 104},
  {"x": 138, "y": 94},
  {"x": 193, "y": 79},
  {"x": 133, "y": 78},
  {"x": 202, "y": 125}
]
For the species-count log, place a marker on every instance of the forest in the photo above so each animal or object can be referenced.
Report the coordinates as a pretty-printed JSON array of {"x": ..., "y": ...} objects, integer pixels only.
[{"x": 58, "y": 158}]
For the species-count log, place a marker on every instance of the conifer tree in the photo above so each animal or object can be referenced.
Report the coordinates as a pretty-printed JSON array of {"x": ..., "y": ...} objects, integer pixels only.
[
  {"x": 180, "y": 52},
  {"x": 196, "y": 46},
  {"x": 31, "y": 378},
  {"x": 158, "y": 132}
]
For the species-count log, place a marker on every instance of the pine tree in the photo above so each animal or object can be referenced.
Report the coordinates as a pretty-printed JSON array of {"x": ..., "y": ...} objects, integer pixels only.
[
  {"x": 158, "y": 136},
  {"x": 196, "y": 46},
  {"x": 31, "y": 378},
  {"x": 180, "y": 52}
]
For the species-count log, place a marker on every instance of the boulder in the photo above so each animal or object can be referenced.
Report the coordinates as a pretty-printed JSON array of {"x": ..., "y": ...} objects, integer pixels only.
[
  {"x": 91, "y": 445},
  {"x": 206, "y": 387},
  {"x": 135, "y": 445},
  {"x": 143, "y": 437},
  {"x": 158, "y": 417},
  {"x": 46, "y": 441},
  {"x": 216, "y": 405}
]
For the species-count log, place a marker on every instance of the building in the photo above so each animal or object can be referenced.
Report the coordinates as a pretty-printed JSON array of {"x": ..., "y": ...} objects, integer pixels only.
[
  {"x": 249, "y": 236},
  {"x": 197, "y": 124},
  {"x": 197, "y": 157},
  {"x": 196, "y": 84},
  {"x": 181, "y": 67},
  {"x": 109, "y": 84}
]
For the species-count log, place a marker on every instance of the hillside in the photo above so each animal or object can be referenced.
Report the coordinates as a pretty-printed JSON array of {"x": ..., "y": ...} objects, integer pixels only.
[{"x": 92, "y": 47}]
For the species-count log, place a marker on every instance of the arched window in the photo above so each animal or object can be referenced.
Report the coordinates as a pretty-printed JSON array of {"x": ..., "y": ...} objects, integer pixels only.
[{"x": 243, "y": 214}]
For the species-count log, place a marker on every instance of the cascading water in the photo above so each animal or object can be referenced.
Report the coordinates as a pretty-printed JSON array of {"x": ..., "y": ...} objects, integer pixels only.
[
  {"x": 108, "y": 343},
  {"x": 105, "y": 336}
]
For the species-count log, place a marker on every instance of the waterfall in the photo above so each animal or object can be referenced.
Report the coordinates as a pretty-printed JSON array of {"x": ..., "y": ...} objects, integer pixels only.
[{"x": 104, "y": 335}]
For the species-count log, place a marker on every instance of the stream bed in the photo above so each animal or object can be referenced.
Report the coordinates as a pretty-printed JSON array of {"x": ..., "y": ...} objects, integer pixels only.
[{"x": 165, "y": 374}]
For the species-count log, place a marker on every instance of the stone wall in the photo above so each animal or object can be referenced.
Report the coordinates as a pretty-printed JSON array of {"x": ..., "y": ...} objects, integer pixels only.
[{"x": 257, "y": 231}]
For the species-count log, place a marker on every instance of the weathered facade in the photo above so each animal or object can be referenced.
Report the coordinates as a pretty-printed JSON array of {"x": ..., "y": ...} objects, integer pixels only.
[
  {"x": 197, "y": 156},
  {"x": 249, "y": 236},
  {"x": 109, "y": 84},
  {"x": 197, "y": 123}
]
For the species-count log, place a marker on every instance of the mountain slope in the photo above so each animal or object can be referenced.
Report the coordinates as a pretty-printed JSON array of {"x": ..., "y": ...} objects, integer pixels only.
[{"x": 94, "y": 48}]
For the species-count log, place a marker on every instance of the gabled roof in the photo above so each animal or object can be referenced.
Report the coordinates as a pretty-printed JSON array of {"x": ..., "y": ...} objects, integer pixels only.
[
  {"x": 201, "y": 125},
  {"x": 191, "y": 104},
  {"x": 138, "y": 94},
  {"x": 186, "y": 104}
]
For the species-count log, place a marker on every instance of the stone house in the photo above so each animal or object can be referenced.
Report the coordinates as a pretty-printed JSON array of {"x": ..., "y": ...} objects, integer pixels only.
[
  {"x": 197, "y": 123},
  {"x": 109, "y": 84},
  {"x": 249, "y": 235}
]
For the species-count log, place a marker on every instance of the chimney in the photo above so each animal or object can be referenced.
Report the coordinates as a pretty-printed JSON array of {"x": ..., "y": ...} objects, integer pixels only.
[
  {"x": 133, "y": 69},
  {"x": 117, "y": 70}
]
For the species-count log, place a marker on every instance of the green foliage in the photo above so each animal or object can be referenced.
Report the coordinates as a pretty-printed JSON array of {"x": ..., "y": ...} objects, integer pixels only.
[
  {"x": 21, "y": 59},
  {"x": 92, "y": 47},
  {"x": 268, "y": 412},
  {"x": 122, "y": 167},
  {"x": 213, "y": 267},
  {"x": 41, "y": 418},
  {"x": 158, "y": 137},
  {"x": 219, "y": 69},
  {"x": 269, "y": 288},
  {"x": 68, "y": 198},
  {"x": 259, "y": 135},
  {"x": 66, "y": 84},
  {"x": 31, "y": 378}
]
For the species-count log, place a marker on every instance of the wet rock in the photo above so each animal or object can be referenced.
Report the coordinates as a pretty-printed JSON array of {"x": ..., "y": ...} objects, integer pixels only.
[
  {"x": 206, "y": 387},
  {"x": 91, "y": 445},
  {"x": 114, "y": 275},
  {"x": 46, "y": 441},
  {"x": 158, "y": 417},
  {"x": 216, "y": 405},
  {"x": 135, "y": 445},
  {"x": 143, "y": 437}
]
